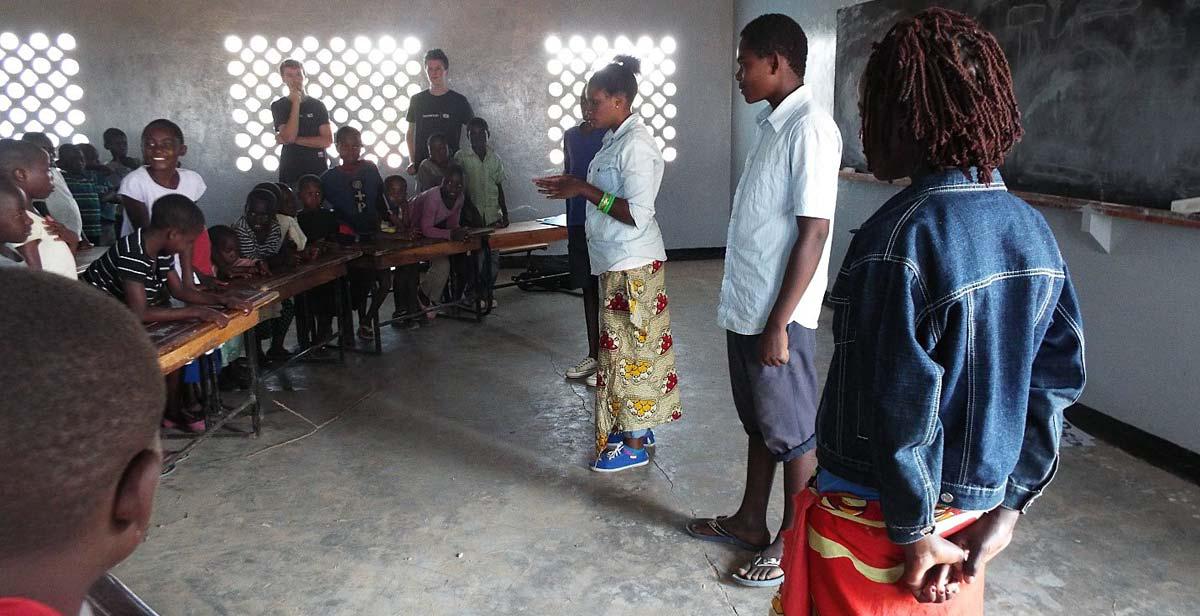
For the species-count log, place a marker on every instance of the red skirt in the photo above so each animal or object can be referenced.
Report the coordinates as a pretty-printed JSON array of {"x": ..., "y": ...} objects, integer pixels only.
[{"x": 838, "y": 561}]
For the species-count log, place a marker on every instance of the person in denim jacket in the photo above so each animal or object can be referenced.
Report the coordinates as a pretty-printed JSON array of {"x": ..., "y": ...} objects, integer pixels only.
[{"x": 958, "y": 343}]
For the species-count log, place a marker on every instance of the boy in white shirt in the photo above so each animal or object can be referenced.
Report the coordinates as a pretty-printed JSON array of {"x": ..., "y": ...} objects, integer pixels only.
[{"x": 776, "y": 268}]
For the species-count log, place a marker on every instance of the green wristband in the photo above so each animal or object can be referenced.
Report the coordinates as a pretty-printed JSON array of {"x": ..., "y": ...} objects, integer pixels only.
[{"x": 606, "y": 202}]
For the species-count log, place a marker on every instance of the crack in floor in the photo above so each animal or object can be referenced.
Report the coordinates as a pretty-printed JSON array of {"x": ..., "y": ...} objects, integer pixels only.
[{"x": 720, "y": 586}]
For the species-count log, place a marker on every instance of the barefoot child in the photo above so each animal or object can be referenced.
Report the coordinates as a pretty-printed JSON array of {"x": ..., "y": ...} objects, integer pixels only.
[
  {"x": 954, "y": 358},
  {"x": 636, "y": 380},
  {"x": 484, "y": 178},
  {"x": 78, "y": 497}
]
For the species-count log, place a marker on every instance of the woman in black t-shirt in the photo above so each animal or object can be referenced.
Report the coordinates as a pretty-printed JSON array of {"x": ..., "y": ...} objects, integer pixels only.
[{"x": 436, "y": 110}]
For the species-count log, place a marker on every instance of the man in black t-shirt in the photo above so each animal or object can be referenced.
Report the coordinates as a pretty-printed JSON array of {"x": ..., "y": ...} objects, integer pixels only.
[
  {"x": 436, "y": 110},
  {"x": 302, "y": 126}
]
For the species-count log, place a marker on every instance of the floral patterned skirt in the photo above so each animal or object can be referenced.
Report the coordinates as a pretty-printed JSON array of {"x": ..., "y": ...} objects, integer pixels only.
[{"x": 636, "y": 383}]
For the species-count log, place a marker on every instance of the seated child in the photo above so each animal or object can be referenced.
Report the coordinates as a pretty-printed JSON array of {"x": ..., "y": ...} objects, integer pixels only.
[
  {"x": 78, "y": 496},
  {"x": 406, "y": 278},
  {"x": 437, "y": 212},
  {"x": 287, "y": 221},
  {"x": 14, "y": 224},
  {"x": 109, "y": 199},
  {"x": 138, "y": 270},
  {"x": 484, "y": 179},
  {"x": 162, "y": 147},
  {"x": 320, "y": 226},
  {"x": 59, "y": 204},
  {"x": 429, "y": 174},
  {"x": 48, "y": 246},
  {"x": 83, "y": 189},
  {"x": 260, "y": 239},
  {"x": 122, "y": 164},
  {"x": 354, "y": 189}
]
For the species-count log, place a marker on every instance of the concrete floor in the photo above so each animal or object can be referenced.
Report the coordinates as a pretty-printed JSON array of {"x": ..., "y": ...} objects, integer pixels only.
[{"x": 453, "y": 480}]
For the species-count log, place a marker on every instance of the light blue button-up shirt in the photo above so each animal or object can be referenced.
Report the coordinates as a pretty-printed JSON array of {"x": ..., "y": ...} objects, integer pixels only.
[
  {"x": 629, "y": 166},
  {"x": 791, "y": 170}
]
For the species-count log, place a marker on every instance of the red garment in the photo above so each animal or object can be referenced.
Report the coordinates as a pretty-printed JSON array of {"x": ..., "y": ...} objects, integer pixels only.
[
  {"x": 202, "y": 254},
  {"x": 838, "y": 561},
  {"x": 17, "y": 606}
]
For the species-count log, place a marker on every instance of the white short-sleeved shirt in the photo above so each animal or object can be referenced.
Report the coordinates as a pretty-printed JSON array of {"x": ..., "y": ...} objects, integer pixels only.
[
  {"x": 628, "y": 166},
  {"x": 139, "y": 185},
  {"x": 61, "y": 204},
  {"x": 791, "y": 171},
  {"x": 54, "y": 253}
]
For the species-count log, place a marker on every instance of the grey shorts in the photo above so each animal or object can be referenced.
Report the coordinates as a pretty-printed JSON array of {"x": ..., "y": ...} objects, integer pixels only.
[{"x": 778, "y": 403}]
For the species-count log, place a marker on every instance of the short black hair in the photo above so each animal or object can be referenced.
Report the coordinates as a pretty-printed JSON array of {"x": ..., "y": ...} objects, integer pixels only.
[
  {"x": 87, "y": 147},
  {"x": 41, "y": 139},
  {"x": 454, "y": 169},
  {"x": 290, "y": 63},
  {"x": 11, "y": 190},
  {"x": 343, "y": 132},
  {"x": 775, "y": 33},
  {"x": 619, "y": 77},
  {"x": 177, "y": 212},
  {"x": 113, "y": 133},
  {"x": 221, "y": 233},
  {"x": 480, "y": 123},
  {"x": 166, "y": 124},
  {"x": 436, "y": 137},
  {"x": 437, "y": 54},
  {"x": 261, "y": 195},
  {"x": 271, "y": 188},
  {"x": 67, "y": 147},
  {"x": 306, "y": 179},
  {"x": 391, "y": 179},
  {"x": 65, "y": 442},
  {"x": 16, "y": 154}
]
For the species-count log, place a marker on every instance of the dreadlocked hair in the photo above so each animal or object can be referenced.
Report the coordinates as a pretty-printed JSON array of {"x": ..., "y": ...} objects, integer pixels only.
[{"x": 944, "y": 82}]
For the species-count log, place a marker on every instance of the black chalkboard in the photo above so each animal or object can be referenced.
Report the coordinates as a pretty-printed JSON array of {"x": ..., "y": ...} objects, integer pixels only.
[{"x": 1109, "y": 91}]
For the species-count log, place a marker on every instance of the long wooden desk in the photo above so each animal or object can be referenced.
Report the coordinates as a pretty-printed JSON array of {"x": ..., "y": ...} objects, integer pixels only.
[
  {"x": 524, "y": 234},
  {"x": 291, "y": 281},
  {"x": 388, "y": 252}
]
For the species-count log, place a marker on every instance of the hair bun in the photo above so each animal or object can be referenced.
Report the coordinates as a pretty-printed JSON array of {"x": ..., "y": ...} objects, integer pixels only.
[{"x": 633, "y": 64}]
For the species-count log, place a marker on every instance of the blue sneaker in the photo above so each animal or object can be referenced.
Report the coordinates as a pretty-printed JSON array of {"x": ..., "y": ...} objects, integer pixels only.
[
  {"x": 620, "y": 459},
  {"x": 618, "y": 438}
]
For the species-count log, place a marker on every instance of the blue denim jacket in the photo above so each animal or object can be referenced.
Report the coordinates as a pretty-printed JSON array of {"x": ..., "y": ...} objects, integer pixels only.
[{"x": 958, "y": 343}]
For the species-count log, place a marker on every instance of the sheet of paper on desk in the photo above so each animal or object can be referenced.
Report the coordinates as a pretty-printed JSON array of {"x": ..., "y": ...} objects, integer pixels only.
[{"x": 554, "y": 221}]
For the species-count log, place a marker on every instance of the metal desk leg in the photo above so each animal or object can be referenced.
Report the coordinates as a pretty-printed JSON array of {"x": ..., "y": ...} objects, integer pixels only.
[
  {"x": 255, "y": 401},
  {"x": 341, "y": 306},
  {"x": 375, "y": 328}
]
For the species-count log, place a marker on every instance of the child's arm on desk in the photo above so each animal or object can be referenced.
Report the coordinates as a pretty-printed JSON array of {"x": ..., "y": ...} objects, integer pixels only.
[
  {"x": 135, "y": 298},
  {"x": 192, "y": 295},
  {"x": 29, "y": 252}
]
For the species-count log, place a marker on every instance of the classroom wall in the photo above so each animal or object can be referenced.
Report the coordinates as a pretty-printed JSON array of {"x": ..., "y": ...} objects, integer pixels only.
[{"x": 140, "y": 60}]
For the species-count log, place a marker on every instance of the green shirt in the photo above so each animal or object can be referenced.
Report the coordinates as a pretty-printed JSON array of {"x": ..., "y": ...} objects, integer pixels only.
[{"x": 482, "y": 181}]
